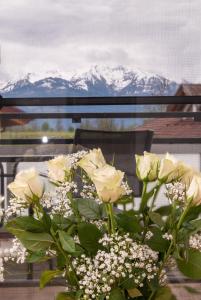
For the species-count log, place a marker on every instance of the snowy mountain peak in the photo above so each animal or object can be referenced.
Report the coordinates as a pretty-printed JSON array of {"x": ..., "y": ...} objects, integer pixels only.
[
  {"x": 34, "y": 77},
  {"x": 116, "y": 77},
  {"x": 98, "y": 81}
]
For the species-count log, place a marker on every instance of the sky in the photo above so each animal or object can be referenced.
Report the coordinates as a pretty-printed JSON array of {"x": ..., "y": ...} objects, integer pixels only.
[{"x": 70, "y": 36}]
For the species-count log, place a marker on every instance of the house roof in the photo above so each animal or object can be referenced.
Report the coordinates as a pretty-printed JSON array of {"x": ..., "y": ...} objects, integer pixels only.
[
  {"x": 11, "y": 122},
  {"x": 173, "y": 128},
  {"x": 177, "y": 127},
  {"x": 186, "y": 90},
  {"x": 189, "y": 90}
]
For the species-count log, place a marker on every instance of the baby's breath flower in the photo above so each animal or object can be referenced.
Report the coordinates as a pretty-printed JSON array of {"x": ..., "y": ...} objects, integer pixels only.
[
  {"x": 128, "y": 190},
  {"x": 88, "y": 191},
  {"x": 17, "y": 207},
  {"x": 163, "y": 278},
  {"x": 58, "y": 201},
  {"x": 122, "y": 258},
  {"x": 149, "y": 235},
  {"x": 98, "y": 223},
  {"x": 16, "y": 253},
  {"x": 195, "y": 241},
  {"x": 167, "y": 236},
  {"x": 176, "y": 191}
]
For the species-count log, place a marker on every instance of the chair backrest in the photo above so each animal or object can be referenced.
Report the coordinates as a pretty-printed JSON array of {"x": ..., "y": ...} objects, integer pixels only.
[
  {"x": 2, "y": 184},
  {"x": 120, "y": 147}
]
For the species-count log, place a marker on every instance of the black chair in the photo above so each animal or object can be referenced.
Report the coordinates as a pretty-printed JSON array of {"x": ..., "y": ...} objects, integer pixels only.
[
  {"x": 119, "y": 147},
  {"x": 2, "y": 180}
]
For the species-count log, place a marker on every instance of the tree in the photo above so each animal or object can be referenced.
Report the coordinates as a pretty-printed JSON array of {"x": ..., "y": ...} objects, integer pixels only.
[
  {"x": 45, "y": 126},
  {"x": 71, "y": 129},
  {"x": 86, "y": 124},
  {"x": 59, "y": 125},
  {"x": 106, "y": 124}
]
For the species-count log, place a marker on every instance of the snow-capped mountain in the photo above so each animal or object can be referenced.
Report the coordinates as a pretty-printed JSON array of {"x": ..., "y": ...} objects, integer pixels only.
[{"x": 98, "y": 81}]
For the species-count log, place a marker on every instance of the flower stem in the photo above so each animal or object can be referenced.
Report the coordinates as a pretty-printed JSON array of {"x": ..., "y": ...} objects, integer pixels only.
[
  {"x": 151, "y": 295},
  {"x": 68, "y": 261},
  {"x": 111, "y": 219},
  {"x": 144, "y": 198},
  {"x": 146, "y": 218},
  {"x": 73, "y": 206},
  {"x": 183, "y": 215},
  {"x": 156, "y": 190}
]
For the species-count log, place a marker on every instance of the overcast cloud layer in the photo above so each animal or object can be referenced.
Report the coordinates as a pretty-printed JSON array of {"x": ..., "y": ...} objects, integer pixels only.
[{"x": 161, "y": 36}]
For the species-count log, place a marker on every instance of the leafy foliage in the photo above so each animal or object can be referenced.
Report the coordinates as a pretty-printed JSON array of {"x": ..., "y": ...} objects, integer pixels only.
[
  {"x": 89, "y": 235},
  {"x": 157, "y": 242},
  {"x": 191, "y": 267},
  {"x": 67, "y": 242},
  {"x": 99, "y": 249},
  {"x": 36, "y": 241},
  {"x": 47, "y": 276},
  {"x": 89, "y": 209},
  {"x": 128, "y": 223}
]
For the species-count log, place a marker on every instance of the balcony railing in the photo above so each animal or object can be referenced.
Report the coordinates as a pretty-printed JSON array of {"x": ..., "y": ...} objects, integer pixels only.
[{"x": 115, "y": 102}]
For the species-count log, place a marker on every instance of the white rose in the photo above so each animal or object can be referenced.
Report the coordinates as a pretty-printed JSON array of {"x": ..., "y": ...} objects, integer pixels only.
[
  {"x": 108, "y": 183},
  {"x": 194, "y": 190},
  {"x": 170, "y": 169},
  {"x": 147, "y": 166},
  {"x": 188, "y": 176},
  {"x": 26, "y": 184},
  {"x": 91, "y": 161},
  {"x": 59, "y": 167}
]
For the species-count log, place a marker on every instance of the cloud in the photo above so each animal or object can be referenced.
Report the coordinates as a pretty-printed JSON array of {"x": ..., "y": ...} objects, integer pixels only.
[{"x": 158, "y": 36}]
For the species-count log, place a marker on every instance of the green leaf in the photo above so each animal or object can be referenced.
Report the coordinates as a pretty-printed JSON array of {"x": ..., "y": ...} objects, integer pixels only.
[
  {"x": 35, "y": 241},
  {"x": 193, "y": 213},
  {"x": 61, "y": 222},
  {"x": 79, "y": 294},
  {"x": 61, "y": 261},
  {"x": 128, "y": 223},
  {"x": 26, "y": 223},
  {"x": 127, "y": 284},
  {"x": 164, "y": 293},
  {"x": 47, "y": 276},
  {"x": 78, "y": 251},
  {"x": 67, "y": 242},
  {"x": 156, "y": 218},
  {"x": 65, "y": 296},
  {"x": 71, "y": 278},
  {"x": 192, "y": 267},
  {"x": 156, "y": 242},
  {"x": 89, "y": 235},
  {"x": 39, "y": 256},
  {"x": 71, "y": 229},
  {"x": 134, "y": 293},
  {"x": 46, "y": 221},
  {"x": 195, "y": 226},
  {"x": 17, "y": 231},
  {"x": 116, "y": 294},
  {"x": 164, "y": 210},
  {"x": 89, "y": 209},
  {"x": 126, "y": 199}
]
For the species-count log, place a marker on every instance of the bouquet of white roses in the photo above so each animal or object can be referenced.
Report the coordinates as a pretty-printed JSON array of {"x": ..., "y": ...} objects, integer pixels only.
[{"x": 102, "y": 252}]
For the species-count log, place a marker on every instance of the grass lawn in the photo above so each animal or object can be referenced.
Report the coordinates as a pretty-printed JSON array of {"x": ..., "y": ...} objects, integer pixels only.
[{"x": 35, "y": 134}]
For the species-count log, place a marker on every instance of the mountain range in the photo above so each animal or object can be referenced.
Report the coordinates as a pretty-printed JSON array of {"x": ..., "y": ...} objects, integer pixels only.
[{"x": 98, "y": 81}]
